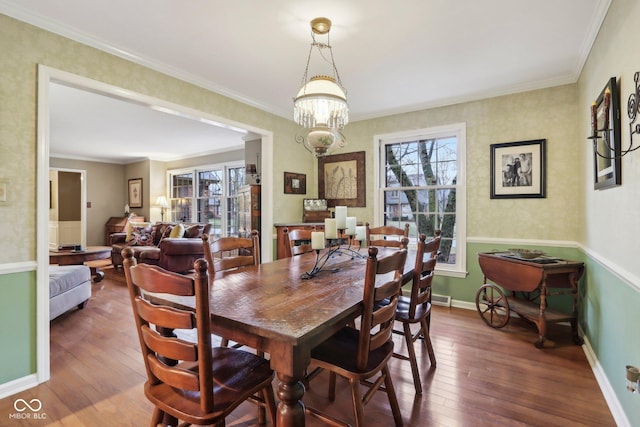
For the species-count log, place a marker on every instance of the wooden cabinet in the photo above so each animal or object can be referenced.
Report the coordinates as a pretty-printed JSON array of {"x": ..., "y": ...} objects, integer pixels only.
[
  {"x": 248, "y": 209},
  {"x": 318, "y": 226},
  {"x": 117, "y": 224}
]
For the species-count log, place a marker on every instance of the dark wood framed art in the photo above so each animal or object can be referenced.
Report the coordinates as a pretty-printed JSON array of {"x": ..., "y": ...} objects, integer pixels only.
[
  {"x": 606, "y": 137},
  {"x": 295, "y": 183},
  {"x": 135, "y": 193},
  {"x": 518, "y": 169},
  {"x": 341, "y": 179}
]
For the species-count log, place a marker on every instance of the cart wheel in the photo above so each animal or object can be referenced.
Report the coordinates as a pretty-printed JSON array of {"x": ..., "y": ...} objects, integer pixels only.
[{"x": 492, "y": 306}]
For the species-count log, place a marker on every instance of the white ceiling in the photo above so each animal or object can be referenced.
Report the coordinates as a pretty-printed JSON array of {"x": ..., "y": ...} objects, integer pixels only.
[{"x": 392, "y": 57}]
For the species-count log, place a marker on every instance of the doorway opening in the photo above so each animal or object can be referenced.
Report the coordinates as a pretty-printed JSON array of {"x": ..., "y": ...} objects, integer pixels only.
[{"x": 47, "y": 76}]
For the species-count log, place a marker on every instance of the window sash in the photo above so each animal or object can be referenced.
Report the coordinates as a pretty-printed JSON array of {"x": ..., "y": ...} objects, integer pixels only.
[{"x": 442, "y": 161}]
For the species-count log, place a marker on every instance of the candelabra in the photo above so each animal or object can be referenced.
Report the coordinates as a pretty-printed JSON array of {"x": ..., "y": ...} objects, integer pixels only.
[{"x": 335, "y": 248}]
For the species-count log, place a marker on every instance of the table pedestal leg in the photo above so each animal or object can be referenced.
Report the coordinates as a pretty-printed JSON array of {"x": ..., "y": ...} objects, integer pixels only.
[{"x": 290, "y": 409}]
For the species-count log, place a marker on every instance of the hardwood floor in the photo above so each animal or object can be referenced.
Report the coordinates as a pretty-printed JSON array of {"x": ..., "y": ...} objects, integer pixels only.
[{"x": 484, "y": 376}]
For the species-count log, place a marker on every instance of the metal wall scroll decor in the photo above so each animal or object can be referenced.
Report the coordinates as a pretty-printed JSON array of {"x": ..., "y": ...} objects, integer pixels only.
[{"x": 632, "y": 112}]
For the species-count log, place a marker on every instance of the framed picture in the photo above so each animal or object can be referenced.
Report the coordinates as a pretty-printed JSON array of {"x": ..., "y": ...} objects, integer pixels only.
[
  {"x": 518, "y": 169},
  {"x": 605, "y": 134},
  {"x": 135, "y": 193},
  {"x": 295, "y": 183},
  {"x": 341, "y": 179}
]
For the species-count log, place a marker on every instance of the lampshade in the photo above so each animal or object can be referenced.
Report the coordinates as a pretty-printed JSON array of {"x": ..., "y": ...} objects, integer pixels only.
[
  {"x": 321, "y": 102},
  {"x": 161, "y": 202}
]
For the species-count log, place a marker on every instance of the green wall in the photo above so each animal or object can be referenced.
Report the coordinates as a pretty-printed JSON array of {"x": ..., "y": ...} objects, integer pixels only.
[{"x": 17, "y": 325}]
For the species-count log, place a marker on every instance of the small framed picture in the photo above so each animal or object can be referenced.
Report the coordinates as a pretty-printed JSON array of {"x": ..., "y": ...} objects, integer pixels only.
[
  {"x": 135, "y": 193},
  {"x": 295, "y": 183},
  {"x": 518, "y": 169}
]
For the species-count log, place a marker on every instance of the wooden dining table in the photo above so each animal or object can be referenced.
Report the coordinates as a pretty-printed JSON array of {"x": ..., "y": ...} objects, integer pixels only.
[{"x": 271, "y": 308}]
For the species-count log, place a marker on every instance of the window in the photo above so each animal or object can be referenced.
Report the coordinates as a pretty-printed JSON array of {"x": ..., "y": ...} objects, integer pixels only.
[
  {"x": 207, "y": 195},
  {"x": 421, "y": 182}
]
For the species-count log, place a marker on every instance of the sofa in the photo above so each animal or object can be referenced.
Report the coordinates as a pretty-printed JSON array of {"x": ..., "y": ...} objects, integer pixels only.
[
  {"x": 69, "y": 287},
  {"x": 172, "y": 246}
]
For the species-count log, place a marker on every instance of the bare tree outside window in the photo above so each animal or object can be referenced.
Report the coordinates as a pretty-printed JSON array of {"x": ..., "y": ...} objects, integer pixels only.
[{"x": 420, "y": 189}]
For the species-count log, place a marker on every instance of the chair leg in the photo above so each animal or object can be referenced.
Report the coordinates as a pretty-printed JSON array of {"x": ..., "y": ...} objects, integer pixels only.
[
  {"x": 358, "y": 405},
  {"x": 224, "y": 342},
  {"x": 157, "y": 417},
  {"x": 391, "y": 394},
  {"x": 427, "y": 341},
  {"x": 270, "y": 403},
  {"x": 408, "y": 337},
  {"x": 332, "y": 386}
]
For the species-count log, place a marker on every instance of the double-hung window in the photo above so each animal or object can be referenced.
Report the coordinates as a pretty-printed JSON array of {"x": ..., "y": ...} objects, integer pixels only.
[
  {"x": 207, "y": 195},
  {"x": 421, "y": 182}
]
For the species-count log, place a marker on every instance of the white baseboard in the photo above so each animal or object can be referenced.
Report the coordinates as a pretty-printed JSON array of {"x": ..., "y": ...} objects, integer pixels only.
[
  {"x": 605, "y": 386},
  {"x": 16, "y": 386}
]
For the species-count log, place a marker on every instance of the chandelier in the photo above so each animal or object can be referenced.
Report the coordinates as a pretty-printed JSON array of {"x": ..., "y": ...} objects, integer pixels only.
[{"x": 321, "y": 102}]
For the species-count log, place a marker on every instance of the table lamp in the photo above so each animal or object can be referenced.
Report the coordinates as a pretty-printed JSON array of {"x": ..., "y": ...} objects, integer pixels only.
[{"x": 161, "y": 201}]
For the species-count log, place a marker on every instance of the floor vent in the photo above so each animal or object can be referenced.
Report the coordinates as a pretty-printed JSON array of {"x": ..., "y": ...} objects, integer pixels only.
[{"x": 444, "y": 300}]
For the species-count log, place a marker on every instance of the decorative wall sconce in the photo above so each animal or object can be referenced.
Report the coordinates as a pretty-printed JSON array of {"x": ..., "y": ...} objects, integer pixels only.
[
  {"x": 632, "y": 112},
  {"x": 607, "y": 108}
]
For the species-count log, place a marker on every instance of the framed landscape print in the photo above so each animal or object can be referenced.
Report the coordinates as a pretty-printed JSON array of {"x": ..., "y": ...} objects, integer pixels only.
[
  {"x": 341, "y": 179},
  {"x": 518, "y": 169},
  {"x": 135, "y": 193}
]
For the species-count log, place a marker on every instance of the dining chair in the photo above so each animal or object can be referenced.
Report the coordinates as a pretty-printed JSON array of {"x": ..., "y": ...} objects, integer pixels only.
[
  {"x": 297, "y": 241},
  {"x": 416, "y": 308},
  {"x": 227, "y": 253},
  {"x": 230, "y": 253},
  {"x": 359, "y": 354},
  {"x": 190, "y": 381},
  {"x": 386, "y": 235}
]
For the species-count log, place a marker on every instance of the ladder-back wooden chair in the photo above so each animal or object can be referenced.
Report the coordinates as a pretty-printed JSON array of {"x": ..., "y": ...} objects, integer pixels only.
[
  {"x": 416, "y": 309},
  {"x": 230, "y": 253},
  {"x": 297, "y": 241},
  {"x": 190, "y": 381},
  {"x": 359, "y": 354},
  {"x": 386, "y": 236}
]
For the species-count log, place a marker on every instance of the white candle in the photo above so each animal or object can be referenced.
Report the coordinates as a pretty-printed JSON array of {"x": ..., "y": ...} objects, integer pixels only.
[
  {"x": 330, "y": 229},
  {"x": 351, "y": 225},
  {"x": 317, "y": 240},
  {"x": 361, "y": 232},
  {"x": 341, "y": 217}
]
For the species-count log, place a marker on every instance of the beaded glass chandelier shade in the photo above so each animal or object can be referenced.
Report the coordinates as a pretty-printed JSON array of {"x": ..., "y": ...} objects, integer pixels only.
[{"x": 321, "y": 102}]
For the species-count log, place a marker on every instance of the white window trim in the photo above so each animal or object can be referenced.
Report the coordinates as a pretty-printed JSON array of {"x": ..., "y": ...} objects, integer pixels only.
[
  {"x": 194, "y": 170},
  {"x": 460, "y": 131}
]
